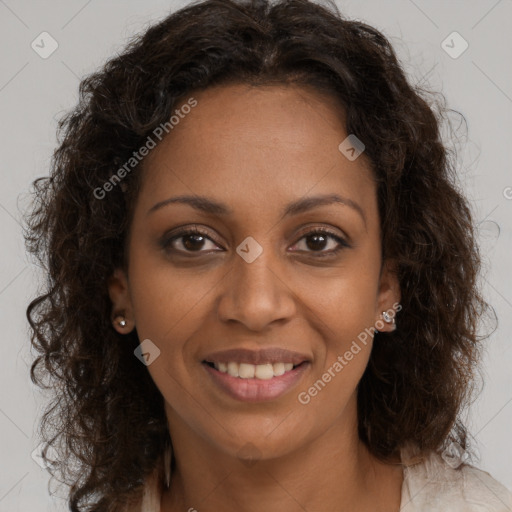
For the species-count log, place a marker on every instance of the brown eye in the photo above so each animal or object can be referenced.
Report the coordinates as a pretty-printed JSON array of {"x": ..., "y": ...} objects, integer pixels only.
[
  {"x": 193, "y": 242},
  {"x": 317, "y": 240},
  {"x": 189, "y": 240}
]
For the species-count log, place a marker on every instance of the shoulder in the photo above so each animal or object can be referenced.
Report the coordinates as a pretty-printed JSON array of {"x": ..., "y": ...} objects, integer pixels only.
[{"x": 435, "y": 485}]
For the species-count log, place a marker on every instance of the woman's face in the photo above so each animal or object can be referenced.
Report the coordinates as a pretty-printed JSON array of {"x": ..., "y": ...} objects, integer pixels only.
[{"x": 258, "y": 280}]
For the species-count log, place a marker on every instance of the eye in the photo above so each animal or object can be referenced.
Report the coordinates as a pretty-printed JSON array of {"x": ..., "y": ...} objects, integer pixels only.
[
  {"x": 318, "y": 239},
  {"x": 188, "y": 240}
]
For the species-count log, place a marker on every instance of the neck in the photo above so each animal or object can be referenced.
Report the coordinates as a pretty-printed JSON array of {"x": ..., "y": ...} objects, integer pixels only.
[{"x": 333, "y": 472}]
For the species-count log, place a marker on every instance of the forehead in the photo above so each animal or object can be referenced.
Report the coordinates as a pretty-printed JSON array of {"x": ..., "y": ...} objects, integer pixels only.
[{"x": 256, "y": 145}]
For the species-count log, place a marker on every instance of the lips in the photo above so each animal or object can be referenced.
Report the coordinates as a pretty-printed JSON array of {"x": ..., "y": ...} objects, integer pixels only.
[{"x": 256, "y": 375}]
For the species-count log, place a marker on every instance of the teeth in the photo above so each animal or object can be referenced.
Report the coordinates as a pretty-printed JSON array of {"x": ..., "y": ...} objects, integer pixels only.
[
  {"x": 278, "y": 368},
  {"x": 232, "y": 369},
  {"x": 254, "y": 371},
  {"x": 264, "y": 371},
  {"x": 246, "y": 371}
]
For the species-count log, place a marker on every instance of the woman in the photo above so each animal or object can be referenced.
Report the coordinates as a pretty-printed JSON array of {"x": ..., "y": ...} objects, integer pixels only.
[{"x": 262, "y": 278}]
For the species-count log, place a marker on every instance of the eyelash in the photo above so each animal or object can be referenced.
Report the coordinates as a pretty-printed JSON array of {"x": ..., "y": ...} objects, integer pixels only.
[{"x": 166, "y": 242}]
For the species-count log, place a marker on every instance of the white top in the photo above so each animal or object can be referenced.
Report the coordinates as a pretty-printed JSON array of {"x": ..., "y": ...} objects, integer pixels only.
[
  {"x": 434, "y": 486},
  {"x": 431, "y": 485}
]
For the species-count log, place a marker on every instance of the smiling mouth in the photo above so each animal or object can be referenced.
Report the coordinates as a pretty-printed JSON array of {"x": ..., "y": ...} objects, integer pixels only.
[{"x": 253, "y": 371}]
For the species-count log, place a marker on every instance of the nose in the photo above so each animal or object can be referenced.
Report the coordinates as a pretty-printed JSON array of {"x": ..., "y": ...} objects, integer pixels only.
[{"x": 256, "y": 294}]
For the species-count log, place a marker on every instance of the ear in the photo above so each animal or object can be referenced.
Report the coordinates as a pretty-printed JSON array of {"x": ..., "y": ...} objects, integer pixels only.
[
  {"x": 119, "y": 292},
  {"x": 388, "y": 297}
]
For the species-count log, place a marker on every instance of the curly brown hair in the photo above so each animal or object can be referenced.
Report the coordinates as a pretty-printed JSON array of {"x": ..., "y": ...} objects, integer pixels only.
[{"x": 107, "y": 416}]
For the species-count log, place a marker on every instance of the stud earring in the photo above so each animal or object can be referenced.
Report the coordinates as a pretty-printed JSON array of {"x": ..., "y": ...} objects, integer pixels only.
[
  {"x": 121, "y": 321},
  {"x": 388, "y": 318}
]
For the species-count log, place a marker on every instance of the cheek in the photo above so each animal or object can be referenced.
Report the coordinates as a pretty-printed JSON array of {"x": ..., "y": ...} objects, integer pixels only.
[
  {"x": 167, "y": 300},
  {"x": 344, "y": 313},
  {"x": 345, "y": 300},
  {"x": 344, "y": 318}
]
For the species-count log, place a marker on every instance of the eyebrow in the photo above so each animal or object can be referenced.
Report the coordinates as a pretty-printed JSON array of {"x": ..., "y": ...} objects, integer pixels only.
[{"x": 212, "y": 207}]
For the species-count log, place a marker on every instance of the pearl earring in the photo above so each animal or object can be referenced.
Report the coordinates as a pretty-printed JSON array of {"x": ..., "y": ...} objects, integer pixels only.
[{"x": 121, "y": 321}]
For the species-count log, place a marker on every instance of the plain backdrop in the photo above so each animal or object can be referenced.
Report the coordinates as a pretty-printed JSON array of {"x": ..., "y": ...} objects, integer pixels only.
[{"x": 35, "y": 92}]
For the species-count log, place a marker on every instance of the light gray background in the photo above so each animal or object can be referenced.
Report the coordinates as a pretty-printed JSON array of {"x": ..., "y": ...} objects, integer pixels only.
[{"x": 35, "y": 92}]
